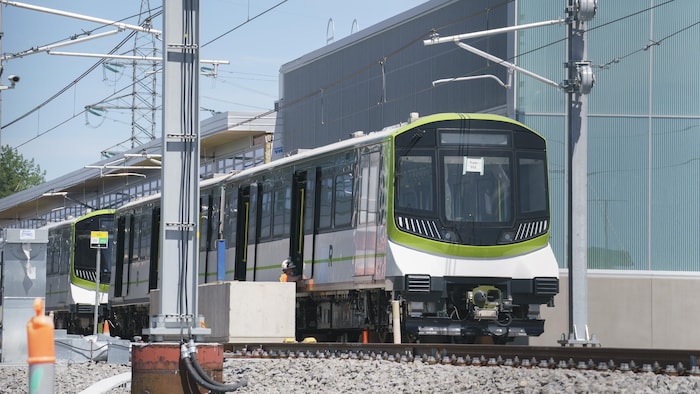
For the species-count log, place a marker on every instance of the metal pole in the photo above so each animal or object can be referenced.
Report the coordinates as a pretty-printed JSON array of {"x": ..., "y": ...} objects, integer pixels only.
[
  {"x": 1, "y": 37},
  {"x": 576, "y": 145},
  {"x": 179, "y": 258},
  {"x": 97, "y": 291}
]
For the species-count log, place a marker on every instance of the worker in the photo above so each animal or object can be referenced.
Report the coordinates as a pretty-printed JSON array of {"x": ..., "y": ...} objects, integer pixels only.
[{"x": 288, "y": 274}]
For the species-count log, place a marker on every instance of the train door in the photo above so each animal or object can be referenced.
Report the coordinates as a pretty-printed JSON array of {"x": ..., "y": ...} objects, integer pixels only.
[
  {"x": 255, "y": 226},
  {"x": 242, "y": 228},
  {"x": 366, "y": 234},
  {"x": 206, "y": 230},
  {"x": 296, "y": 233},
  {"x": 118, "y": 278},
  {"x": 130, "y": 227},
  {"x": 155, "y": 248}
]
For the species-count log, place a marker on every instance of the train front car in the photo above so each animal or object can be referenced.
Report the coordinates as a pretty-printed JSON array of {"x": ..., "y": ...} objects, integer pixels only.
[
  {"x": 468, "y": 229},
  {"x": 72, "y": 270}
]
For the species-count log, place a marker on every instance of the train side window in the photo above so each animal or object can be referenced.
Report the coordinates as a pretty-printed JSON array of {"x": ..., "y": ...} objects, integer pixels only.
[
  {"x": 129, "y": 238},
  {"x": 282, "y": 211},
  {"x": 325, "y": 203},
  {"x": 215, "y": 218},
  {"x": 52, "y": 255},
  {"x": 532, "y": 185},
  {"x": 65, "y": 251},
  {"x": 414, "y": 183},
  {"x": 310, "y": 202},
  {"x": 343, "y": 200},
  {"x": 266, "y": 215},
  {"x": 230, "y": 215},
  {"x": 138, "y": 238},
  {"x": 204, "y": 220},
  {"x": 145, "y": 252}
]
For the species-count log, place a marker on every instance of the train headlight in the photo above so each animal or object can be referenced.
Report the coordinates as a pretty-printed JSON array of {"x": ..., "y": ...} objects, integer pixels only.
[
  {"x": 451, "y": 236},
  {"x": 506, "y": 237}
]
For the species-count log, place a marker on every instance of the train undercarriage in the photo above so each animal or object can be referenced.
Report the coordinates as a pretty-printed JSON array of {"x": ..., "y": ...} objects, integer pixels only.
[
  {"x": 464, "y": 311},
  {"x": 79, "y": 319},
  {"x": 434, "y": 310}
]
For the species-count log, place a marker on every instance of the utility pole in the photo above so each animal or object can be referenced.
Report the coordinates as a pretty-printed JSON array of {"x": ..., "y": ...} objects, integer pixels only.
[
  {"x": 578, "y": 85},
  {"x": 1, "y": 68},
  {"x": 179, "y": 231}
]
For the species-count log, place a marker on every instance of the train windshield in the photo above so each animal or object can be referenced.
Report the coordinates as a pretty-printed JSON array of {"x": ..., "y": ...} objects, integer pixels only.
[
  {"x": 85, "y": 257},
  {"x": 477, "y": 188},
  {"x": 470, "y": 185}
]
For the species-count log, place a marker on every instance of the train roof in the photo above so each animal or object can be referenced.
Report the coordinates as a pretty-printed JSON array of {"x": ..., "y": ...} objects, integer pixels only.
[
  {"x": 358, "y": 139},
  {"x": 361, "y": 138},
  {"x": 71, "y": 219},
  {"x": 156, "y": 196}
]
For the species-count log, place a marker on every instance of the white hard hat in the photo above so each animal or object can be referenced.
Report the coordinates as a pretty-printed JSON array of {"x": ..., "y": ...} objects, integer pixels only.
[{"x": 288, "y": 264}]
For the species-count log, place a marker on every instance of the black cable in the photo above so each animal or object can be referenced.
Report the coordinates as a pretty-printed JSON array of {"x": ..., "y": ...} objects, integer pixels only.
[
  {"x": 203, "y": 379},
  {"x": 198, "y": 367},
  {"x": 246, "y": 22}
]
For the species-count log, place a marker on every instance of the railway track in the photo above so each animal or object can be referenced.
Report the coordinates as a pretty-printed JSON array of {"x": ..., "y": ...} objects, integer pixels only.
[{"x": 659, "y": 361}]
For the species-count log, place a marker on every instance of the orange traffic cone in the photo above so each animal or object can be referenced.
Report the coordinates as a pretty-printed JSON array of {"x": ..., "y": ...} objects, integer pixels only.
[{"x": 105, "y": 328}]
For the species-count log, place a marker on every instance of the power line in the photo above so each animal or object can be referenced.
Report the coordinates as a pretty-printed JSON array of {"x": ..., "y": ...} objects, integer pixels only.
[
  {"x": 245, "y": 23},
  {"x": 368, "y": 66},
  {"x": 63, "y": 122},
  {"x": 618, "y": 59}
]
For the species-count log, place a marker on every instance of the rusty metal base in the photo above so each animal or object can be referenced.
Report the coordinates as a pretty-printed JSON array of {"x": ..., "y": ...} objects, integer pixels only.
[{"x": 156, "y": 367}]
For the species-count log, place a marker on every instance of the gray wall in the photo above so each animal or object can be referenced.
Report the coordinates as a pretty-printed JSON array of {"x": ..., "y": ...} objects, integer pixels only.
[{"x": 631, "y": 310}]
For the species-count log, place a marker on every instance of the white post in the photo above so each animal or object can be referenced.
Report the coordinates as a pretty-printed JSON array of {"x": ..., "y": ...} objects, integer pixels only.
[{"x": 396, "y": 315}]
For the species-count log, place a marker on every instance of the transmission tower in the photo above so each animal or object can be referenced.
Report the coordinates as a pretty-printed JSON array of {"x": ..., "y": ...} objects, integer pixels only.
[{"x": 142, "y": 102}]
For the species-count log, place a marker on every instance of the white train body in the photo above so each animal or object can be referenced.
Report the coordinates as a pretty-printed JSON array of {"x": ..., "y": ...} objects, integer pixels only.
[{"x": 449, "y": 215}]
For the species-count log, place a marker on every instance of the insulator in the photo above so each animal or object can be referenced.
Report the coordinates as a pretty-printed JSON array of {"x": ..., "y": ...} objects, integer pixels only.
[
  {"x": 585, "y": 9},
  {"x": 585, "y": 78}
]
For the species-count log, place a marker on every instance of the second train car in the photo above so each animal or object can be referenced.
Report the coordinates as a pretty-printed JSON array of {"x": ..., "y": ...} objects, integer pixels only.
[{"x": 447, "y": 214}]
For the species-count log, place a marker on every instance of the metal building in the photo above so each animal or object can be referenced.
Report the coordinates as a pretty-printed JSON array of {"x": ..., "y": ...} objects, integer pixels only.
[{"x": 643, "y": 122}]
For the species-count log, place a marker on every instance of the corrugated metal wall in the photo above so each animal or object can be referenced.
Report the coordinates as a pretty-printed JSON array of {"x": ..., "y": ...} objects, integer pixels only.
[{"x": 643, "y": 129}]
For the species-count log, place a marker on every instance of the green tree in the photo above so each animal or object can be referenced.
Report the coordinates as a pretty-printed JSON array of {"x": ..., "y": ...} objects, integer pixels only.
[{"x": 17, "y": 173}]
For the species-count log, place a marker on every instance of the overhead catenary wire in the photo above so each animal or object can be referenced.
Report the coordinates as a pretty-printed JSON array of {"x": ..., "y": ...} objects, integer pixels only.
[
  {"x": 347, "y": 76},
  {"x": 250, "y": 19},
  {"x": 126, "y": 40}
]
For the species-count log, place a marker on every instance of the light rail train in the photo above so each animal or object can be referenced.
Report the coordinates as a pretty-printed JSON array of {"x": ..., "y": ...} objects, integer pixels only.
[
  {"x": 71, "y": 271},
  {"x": 447, "y": 214}
]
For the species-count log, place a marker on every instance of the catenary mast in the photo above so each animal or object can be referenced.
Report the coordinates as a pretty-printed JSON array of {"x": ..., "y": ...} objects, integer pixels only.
[{"x": 179, "y": 231}]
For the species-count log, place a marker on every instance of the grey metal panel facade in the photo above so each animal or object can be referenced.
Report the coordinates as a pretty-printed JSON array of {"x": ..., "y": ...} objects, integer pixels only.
[
  {"x": 379, "y": 76},
  {"x": 644, "y": 114}
]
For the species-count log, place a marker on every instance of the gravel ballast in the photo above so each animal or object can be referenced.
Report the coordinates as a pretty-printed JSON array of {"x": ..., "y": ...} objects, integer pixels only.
[{"x": 307, "y": 375}]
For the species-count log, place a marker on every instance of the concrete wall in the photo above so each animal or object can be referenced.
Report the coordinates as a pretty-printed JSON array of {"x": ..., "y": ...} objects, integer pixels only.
[
  {"x": 630, "y": 310},
  {"x": 248, "y": 311}
]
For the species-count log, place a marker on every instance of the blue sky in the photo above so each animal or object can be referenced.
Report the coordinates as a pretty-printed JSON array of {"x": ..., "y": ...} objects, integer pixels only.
[{"x": 61, "y": 141}]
